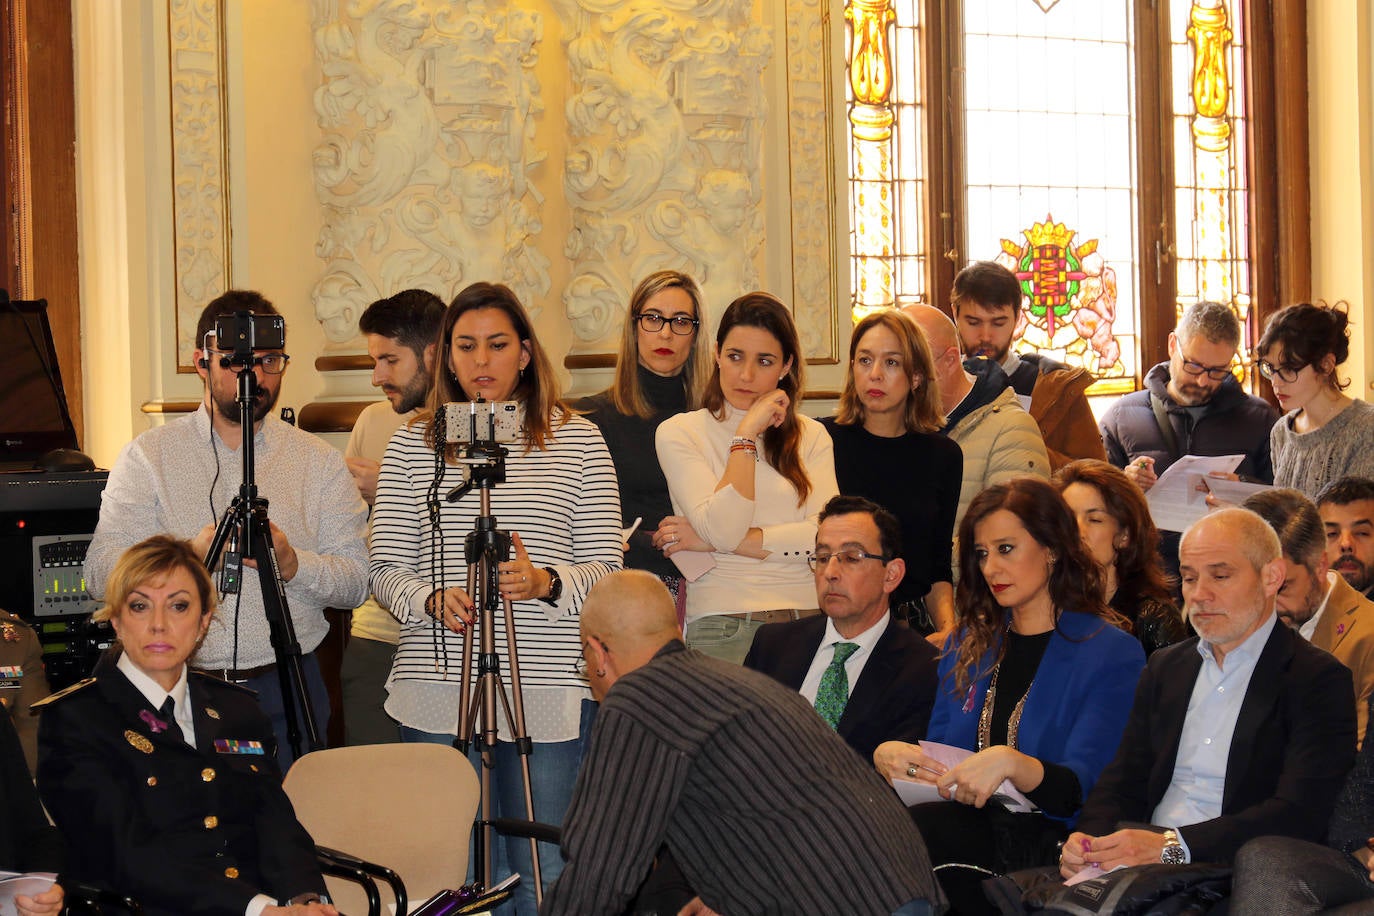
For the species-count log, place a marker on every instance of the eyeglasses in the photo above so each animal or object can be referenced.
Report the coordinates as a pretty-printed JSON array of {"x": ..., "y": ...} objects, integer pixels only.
[
  {"x": 848, "y": 558},
  {"x": 1215, "y": 373},
  {"x": 682, "y": 325},
  {"x": 1285, "y": 373},
  {"x": 272, "y": 363},
  {"x": 579, "y": 668}
]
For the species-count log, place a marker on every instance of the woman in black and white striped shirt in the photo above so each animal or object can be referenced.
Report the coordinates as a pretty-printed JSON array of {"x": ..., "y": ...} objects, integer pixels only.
[{"x": 561, "y": 503}]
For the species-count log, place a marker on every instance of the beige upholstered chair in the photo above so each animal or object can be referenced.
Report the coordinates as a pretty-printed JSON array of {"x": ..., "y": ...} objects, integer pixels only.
[{"x": 409, "y": 807}]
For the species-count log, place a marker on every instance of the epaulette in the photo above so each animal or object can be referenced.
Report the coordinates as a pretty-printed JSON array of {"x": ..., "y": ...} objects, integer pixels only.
[
  {"x": 65, "y": 692},
  {"x": 210, "y": 679}
]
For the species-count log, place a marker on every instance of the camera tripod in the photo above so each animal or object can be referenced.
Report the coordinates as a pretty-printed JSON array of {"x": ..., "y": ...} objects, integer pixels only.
[
  {"x": 485, "y": 548},
  {"x": 245, "y": 529}
]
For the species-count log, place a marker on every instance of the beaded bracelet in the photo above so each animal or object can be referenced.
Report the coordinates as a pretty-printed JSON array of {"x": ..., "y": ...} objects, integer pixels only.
[
  {"x": 742, "y": 444},
  {"x": 432, "y": 607}
]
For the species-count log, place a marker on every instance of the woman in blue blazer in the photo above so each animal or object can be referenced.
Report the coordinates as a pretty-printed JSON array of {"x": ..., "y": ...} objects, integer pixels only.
[{"x": 1036, "y": 680}]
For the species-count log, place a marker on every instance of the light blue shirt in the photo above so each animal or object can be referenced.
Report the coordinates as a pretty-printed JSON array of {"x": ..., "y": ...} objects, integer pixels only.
[{"x": 1199, "y": 782}]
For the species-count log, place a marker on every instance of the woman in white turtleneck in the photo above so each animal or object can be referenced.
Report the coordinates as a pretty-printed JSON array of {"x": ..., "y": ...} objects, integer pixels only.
[{"x": 748, "y": 475}]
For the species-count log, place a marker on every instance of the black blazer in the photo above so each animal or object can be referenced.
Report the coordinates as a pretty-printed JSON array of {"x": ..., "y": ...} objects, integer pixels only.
[
  {"x": 1293, "y": 745},
  {"x": 182, "y": 829},
  {"x": 27, "y": 841},
  {"x": 895, "y": 692}
]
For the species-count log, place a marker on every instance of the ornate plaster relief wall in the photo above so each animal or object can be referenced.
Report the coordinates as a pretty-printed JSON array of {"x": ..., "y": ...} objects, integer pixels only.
[
  {"x": 428, "y": 113},
  {"x": 435, "y": 143},
  {"x": 665, "y": 128},
  {"x": 200, "y": 193}
]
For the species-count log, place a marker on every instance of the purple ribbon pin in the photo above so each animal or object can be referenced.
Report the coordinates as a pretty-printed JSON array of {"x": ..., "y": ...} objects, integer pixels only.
[
  {"x": 1340, "y": 629},
  {"x": 152, "y": 721}
]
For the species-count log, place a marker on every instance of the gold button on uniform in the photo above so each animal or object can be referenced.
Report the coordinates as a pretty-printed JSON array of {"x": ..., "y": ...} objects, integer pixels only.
[
  {"x": 231, "y": 872},
  {"x": 152, "y": 780},
  {"x": 207, "y": 775},
  {"x": 211, "y": 822}
]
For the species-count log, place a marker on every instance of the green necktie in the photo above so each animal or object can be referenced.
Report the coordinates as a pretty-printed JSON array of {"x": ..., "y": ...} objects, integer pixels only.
[{"x": 833, "y": 693}]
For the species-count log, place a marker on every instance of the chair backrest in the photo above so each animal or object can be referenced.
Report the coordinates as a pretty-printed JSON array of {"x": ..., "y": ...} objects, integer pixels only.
[{"x": 409, "y": 807}]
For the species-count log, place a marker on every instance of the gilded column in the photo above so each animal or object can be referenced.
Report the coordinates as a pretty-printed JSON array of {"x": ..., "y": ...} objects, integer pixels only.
[{"x": 871, "y": 117}]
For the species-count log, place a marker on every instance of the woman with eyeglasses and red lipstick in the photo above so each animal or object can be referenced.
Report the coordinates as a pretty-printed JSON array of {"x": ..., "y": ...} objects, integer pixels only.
[{"x": 661, "y": 371}]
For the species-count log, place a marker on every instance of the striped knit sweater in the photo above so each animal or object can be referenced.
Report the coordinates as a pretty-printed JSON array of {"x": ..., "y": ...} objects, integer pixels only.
[
  {"x": 564, "y": 504},
  {"x": 764, "y": 808}
]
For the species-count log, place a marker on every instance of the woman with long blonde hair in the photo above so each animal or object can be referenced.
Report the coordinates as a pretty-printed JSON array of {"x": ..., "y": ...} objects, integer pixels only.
[
  {"x": 662, "y": 370},
  {"x": 888, "y": 448}
]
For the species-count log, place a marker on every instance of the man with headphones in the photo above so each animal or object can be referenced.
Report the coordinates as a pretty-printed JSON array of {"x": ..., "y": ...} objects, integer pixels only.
[{"x": 180, "y": 478}]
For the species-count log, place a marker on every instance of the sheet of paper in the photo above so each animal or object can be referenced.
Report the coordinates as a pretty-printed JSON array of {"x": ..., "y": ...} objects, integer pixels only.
[
  {"x": 1087, "y": 873},
  {"x": 627, "y": 533},
  {"x": 1233, "y": 492},
  {"x": 916, "y": 793},
  {"x": 1007, "y": 795},
  {"x": 693, "y": 563},
  {"x": 12, "y": 885},
  {"x": 1175, "y": 501}
]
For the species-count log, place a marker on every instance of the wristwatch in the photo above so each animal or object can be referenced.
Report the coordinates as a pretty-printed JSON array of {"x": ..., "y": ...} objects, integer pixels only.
[
  {"x": 1172, "y": 853},
  {"x": 555, "y": 587}
]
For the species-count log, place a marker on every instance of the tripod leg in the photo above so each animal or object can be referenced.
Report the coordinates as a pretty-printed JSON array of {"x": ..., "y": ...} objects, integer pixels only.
[
  {"x": 466, "y": 713},
  {"x": 523, "y": 745},
  {"x": 295, "y": 694}
]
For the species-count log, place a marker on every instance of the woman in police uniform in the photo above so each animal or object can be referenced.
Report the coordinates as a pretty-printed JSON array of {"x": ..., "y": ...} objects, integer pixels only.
[{"x": 163, "y": 781}]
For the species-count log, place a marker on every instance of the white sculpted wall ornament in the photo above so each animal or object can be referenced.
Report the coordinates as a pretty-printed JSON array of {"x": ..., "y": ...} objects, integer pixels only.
[
  {"x": 200, "y": 193},
  {"x": 428, "y": 113},
  {"x": 663, "y": 167}
]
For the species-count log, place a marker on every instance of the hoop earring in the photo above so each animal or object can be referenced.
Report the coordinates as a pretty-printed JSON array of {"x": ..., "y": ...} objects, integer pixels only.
[{"x": 600, "y": 672}]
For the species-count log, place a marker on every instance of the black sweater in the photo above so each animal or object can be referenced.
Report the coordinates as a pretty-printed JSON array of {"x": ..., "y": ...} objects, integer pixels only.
[
  {"x": 643, "y": 488},
  {"x": 916, "y": 477}
]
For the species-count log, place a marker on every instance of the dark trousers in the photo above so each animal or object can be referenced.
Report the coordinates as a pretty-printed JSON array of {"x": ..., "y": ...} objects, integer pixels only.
[
  {"x": 1282, "y": 875},
  {"x": 990, "y": 838},
  {"x": 268, "y": 687}
]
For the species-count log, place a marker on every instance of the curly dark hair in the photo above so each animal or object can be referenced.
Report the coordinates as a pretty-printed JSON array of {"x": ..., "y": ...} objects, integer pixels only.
[
  {"x": 1075, "y": 583},
  {"x": 1308, "y": 333}
]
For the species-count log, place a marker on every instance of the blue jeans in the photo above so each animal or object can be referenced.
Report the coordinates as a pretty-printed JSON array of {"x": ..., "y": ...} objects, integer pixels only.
[
  {"x": 268, "y": 687},
  {"x": 553, "y": 773}
]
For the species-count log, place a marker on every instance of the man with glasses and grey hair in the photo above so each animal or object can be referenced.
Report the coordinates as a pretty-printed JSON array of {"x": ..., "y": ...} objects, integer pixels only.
[{"x": 1191, "y": 405}]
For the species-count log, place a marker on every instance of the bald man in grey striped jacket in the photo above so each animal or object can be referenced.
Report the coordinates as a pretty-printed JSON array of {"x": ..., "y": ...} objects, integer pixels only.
[{"x": 762, "y": 806}]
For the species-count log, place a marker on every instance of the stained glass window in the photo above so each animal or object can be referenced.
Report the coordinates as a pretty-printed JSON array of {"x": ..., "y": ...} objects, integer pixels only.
[
  {"x": 1050, "y": 140},
  {"x": 1210, "y": 196},
  {"x": 1046, "y": 128},
  {"x": 887, "y": 187}
]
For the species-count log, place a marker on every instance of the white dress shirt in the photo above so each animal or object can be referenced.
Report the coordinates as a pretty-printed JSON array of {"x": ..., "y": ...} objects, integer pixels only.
[{"x": 853, "y": 666}]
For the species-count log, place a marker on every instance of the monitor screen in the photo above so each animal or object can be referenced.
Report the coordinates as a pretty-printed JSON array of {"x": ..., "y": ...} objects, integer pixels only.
[{"x": 33, "y": 405}]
